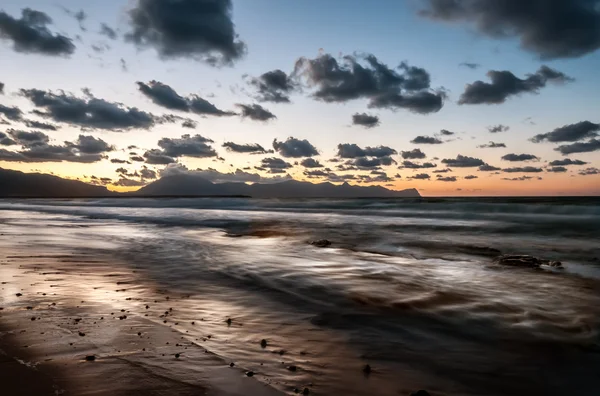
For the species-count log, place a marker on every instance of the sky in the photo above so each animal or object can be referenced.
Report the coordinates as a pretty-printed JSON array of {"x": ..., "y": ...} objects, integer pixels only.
[{"x": 452, "y": 97}]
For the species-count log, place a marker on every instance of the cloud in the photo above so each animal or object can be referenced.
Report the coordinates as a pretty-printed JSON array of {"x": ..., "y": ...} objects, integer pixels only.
[
  {"x": 446, "y": 170},
  {"x": 413, "y": 154},
  {"x": 557, "y": 169},
  {"x": 580, "y": 147},
  {"x": 421, "y": 176},
  {"x": 255, "y": 112},
  {"x": 29, "y": 34},
  {"x": 200, "y": 30},
  {"x": 137, "y": 158},
  {"x": 589, "y": 171},
  {"x": 237, "y": 176},
  {"x": 155, "y": 157},
  {"x": 446, "y": 179},
  {"x": 147, "y": 173},
  {"x": 566, "y": 162},
  {"x": 520, "y": 157},
  {"x": 366, "y": 120},
  {"x": 415, "y": 165},
  {"x": 190, "y": 124},
  {"x": 120, "y": 161},
  {"x": 351, "y": 150},
  {"x": 524, "y": 169},
  {"x": 107, "y": 31},
  {"x": 89, "y": 112},
  {"x": 498, "y": 128},
  {"x": 165, "y": 96},
  {"x": 368, "y": 163},
  {"x": 521, "y": 178},
  {"x": 5, "y": 140},
  {"x": 245, "y": 148},
  {"x": 365, "y": 77},
  {"x": 462, "y": 161},
  {"x": 126, "y": 182},
  {"x": 274, "y": 86},
  {"x": 12, "y": 113},
  {"x": 1, "y": 88},
  {"x": 471, "y": 177},
  {"x": 537, "y": 23},
  {"x": 310, "y": 163},
  {"x": 295, "y": 148},
  {"x": 189, "y": 146},
  {"x": 505, "y": 84},
  {"x": 469, "y": 65},
  {"x": 426, "y": 140},
  {"x": 488, "y": 168},
  {"x": 446, "y": 132},
  {"x": 85, "y": 149},
  {"x": 40, "y": 125},
  {"x": 569, "y": 133},
  {"x": 493, "y": 145},
  {"x": 274, "y": 165}
]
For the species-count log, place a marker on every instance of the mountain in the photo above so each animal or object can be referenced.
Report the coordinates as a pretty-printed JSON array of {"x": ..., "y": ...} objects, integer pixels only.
[
  {"x": 19, "y": 184},
  {"x": 186, "y": 184}
]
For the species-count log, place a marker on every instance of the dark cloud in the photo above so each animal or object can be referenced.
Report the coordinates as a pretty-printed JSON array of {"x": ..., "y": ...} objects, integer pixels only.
[
  {"x": 505, "y": 84},
  {"x": 472, "y": 66},
  {"x": 124, "y": 67},
  {"x": 316, "y": 174},
  {"x": 255, "y": 112},
  {"x": 498, "y": 128},
  {"x": 29, "y": 34},
  {"x": 245, "y": 148},
  {"x": 413, "y": 154},
  {"x": 107, "y": 31},
  {"x": 493, "y": 145},
  {"x": 446, "y": 178},
  {"x": 274, "y": 165},
  {"x": 566, "y": 162},
  {"x": 521, "y": 178},
  {"x": 12, "y": 113},
  {"x": 549, "y": 29},
  {"x": 28, "y": 139},
  {"x": 589, "y": 171},
  {"x": 1, "y": 88},
  {"x": 570, "y": 133},
  {"x": 368, "y": 163},
  {"x": 37, "y": 149},
  {"x": 557, "y": 169},
  {"x": 189, "y": 146},
  {"x": 446, "y": 170},
  {"x": 155, "y": 157},
  {"x": 366, "y": 120},
  {"x": 88, "y": 112},
  {"x": 146, "y": 173},
  {"x": 190, "y": 124},
  {"x": 488, "y": 168},
  {"x": 40, "y": 125},
  {"x": 471, "y": 177},
  {"x": 351, "y": 150},
  {"x": 237, "y": 176},
  {"x": 120, "y": 161},
  {"x": 523, "y": 169},
  {"x": 5, "y": 140},
  {"x": 295, "y": 148},
  {"x": 446, "y": 132},
  {"x": 137, "y": 158},
  {"x": 126, "y": 182},
  {"x": 365, "y": 77},
  {"x": 421, "y": 176},
  {"x": 273, "y": 86},
  {"x": 165, "y": 96},
  {"x": 310, "y": 163},
  {"x": 462, "y": 161},
  {"x": 415, "y": 165},
  {"x": 580, "y": 147},
  {"x": 426, "y": 140},
  {"x": 201, "y": 30},
  {"x": 520, "y": 157}
]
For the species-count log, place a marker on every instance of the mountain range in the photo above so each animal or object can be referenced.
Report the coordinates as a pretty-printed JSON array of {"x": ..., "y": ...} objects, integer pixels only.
[{"x": 19, "y": 184}]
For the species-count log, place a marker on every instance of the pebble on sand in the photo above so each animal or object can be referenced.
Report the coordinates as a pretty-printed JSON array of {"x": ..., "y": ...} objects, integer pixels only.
[
  {"x": 292, "y": 368},
  {"x": 263, "y": 343},
  {"x": 81, "y": 334},
  {"x": 250, "y": 373},
  {"x": 90, "y": 358}
]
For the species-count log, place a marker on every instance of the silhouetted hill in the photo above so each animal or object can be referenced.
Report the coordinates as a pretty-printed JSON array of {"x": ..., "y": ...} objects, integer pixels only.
[
  {"x": 186, "y": 184},
  {"x": 19, "y": 184}
]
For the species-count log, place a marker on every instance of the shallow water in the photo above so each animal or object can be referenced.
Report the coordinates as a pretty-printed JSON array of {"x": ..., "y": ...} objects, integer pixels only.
[{"x": 408, "y": 286}]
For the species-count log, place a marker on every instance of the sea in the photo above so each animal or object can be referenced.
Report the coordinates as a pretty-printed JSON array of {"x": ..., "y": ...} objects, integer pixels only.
[{"x": 408, "y": 286}]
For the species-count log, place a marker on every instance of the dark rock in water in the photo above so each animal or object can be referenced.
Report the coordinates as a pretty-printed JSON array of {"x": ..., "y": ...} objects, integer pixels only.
[
  {"x": 250, "y": 374},
  {"x": 90, "y": 358},
  {"x": 420, "y": 393},
  {"x": 231, "y": 364},
  {"x": 263, "y": 343},
  {"x": 292, "y": 368},
  {"x": 18, "y": 294},
  {"x": 228, "y": 321},
  {"x": 525, "y": 261},
  {"x": 367, "y": 369},
  {"x": 177, "y": 356},
  {"x": 321, "y": 243},
  {"x": 81, "y": 334}
]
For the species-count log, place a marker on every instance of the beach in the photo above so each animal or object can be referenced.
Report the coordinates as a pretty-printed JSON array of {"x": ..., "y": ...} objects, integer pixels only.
[{"x": 229, "y": 297}]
